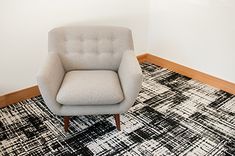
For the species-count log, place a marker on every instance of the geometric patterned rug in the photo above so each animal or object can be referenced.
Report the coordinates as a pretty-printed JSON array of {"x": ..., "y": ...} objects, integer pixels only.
[{"x": 173, "y": 116}]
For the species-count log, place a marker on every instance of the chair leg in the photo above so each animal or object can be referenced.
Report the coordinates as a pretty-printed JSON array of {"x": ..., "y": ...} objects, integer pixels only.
[
  {"x": 66, "y": 123},
  {"x": 117, "y": 120}
]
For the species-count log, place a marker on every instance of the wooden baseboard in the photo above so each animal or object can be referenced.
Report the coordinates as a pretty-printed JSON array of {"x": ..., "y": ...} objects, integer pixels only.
[
  {"x": 19, "y": 95},
  {"x": 30, "y": 92},
  {"x": 194, "y": 74},
  {"x": 142, "y": 58}
]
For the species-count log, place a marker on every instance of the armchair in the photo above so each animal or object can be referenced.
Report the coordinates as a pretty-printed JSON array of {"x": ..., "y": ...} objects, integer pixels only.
[{"x": 90, "y": 70}]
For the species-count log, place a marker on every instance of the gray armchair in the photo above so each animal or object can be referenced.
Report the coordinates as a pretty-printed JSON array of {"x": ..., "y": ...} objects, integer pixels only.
[{"x": 90, "y": 70}]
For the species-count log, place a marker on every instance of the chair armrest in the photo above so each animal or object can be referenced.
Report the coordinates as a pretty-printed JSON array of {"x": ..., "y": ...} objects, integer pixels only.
[
  {"x": 49, "y": 79},
  {"x": 130, "y": 76}
]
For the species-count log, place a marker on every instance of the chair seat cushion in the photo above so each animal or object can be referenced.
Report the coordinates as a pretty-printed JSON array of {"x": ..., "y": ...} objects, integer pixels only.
[{"x": 90, "y": 87}]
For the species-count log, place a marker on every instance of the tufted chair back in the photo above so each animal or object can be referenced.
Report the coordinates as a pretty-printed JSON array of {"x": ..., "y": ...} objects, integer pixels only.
[{"x": 90, "y": 47}]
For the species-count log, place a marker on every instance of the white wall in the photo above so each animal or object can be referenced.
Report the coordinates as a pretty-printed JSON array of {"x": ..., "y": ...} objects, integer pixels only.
[
  {"x": 196, "y": 33},
  {"x": 24, "y": 25}
]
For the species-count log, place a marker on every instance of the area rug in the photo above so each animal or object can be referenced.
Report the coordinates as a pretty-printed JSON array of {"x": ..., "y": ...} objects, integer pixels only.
[{"x": 173, "y": 116}]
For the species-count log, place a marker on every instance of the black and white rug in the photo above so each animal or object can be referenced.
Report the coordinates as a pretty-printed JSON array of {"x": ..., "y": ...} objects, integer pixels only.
[{"x": 173, "y": 115}]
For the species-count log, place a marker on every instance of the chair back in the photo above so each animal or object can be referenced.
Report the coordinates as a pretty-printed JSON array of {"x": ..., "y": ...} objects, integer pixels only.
[{"x": 90, "y": 47}]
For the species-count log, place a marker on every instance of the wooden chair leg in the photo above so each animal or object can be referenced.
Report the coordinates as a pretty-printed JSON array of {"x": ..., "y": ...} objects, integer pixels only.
[
  {"x": 66, "y": 123},
  {"x": 117, "y": 120}
]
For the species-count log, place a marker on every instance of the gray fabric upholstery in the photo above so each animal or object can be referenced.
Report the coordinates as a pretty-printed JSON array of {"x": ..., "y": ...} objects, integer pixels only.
[
  {"x": 49, "y": 79},
  {"x": 130, "y": 76},
  {"x": 89, "y": 48},
  {"x": 90, "y": 87}
]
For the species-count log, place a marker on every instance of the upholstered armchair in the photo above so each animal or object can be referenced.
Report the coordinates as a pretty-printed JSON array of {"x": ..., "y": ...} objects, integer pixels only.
[{"x": 90, "y": 70}]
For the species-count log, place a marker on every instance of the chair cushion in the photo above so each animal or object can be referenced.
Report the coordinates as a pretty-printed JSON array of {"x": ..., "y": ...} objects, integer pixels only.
[{"x": 90, "y": 87}]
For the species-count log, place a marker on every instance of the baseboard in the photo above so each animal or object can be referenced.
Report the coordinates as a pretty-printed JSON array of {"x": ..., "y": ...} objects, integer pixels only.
[
  {"x": 142, "y": 58},
  {"x": 19, "y": 95},
  {"x": 192, "y": 73},
  {"x": 30, "y": 92}
]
